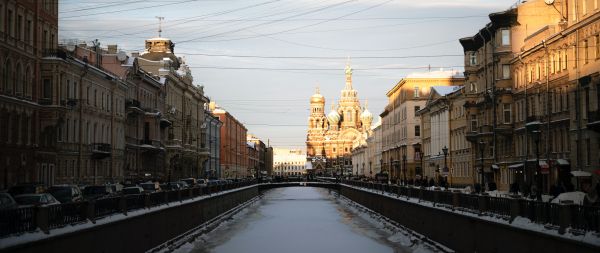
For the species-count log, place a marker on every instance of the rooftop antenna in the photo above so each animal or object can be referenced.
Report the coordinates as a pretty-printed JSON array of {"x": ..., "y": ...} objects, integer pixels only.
[{"x": 160, "y": 19}]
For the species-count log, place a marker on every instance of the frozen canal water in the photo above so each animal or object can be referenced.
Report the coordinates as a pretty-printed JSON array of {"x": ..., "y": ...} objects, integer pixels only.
[{"x": 304, "y": 220}]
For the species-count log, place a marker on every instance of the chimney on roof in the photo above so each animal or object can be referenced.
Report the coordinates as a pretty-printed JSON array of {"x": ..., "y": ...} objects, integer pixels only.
[{"x": 112, "y": 49}]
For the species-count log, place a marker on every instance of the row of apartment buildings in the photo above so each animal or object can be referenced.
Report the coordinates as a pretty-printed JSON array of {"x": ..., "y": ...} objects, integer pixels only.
[
  {"x": 86, "y": 114},
  {"x": 525, "y": 111}
]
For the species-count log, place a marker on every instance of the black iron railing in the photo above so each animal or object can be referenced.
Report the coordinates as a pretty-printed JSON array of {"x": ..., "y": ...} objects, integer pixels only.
[
  {"x": 577, "y": 217},
  {"x": 29, "y": 219}
]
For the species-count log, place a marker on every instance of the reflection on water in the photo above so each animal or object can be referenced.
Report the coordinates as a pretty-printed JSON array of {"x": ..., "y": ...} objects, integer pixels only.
[{"x": 302, "y": 219}]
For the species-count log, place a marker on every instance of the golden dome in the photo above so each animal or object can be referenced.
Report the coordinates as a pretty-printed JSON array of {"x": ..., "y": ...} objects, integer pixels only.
[{"x": 317, "y": 98}]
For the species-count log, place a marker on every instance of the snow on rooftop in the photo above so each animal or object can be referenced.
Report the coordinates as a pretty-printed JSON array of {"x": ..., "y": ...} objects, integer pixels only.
[
  {"x": 445, "y": 90},
  {"x": 437, "y": 74}
]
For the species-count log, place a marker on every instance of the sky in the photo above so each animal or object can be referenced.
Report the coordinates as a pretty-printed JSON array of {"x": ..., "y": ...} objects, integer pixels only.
[{"x": 261, "y": 60}]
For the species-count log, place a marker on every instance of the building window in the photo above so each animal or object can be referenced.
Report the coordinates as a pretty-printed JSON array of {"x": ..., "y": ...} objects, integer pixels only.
[
  {"x": 417, "y": 108},
  {"x": 507, "y": 113},
  {"x": 47, "y": 94},
  {"x": 598, "y": 46},
  {"x": 505, "y": 37},
  {"x": 473, "y": 59},
  {"x": 588, "y": 152},
  {"x": 416, "y": 91},
  {"x": 19, "y": 29},
  {"x": 505, "y": 71},
  {"x": 586, "y": 50},
  {"x": 417, "y": 130},
  {"x": 28, "y": 31},
  {"x": 473, "y": 123}
]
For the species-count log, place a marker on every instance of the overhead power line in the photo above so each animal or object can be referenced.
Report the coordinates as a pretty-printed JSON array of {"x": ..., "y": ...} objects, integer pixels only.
[{"x": 324, "y": 57}]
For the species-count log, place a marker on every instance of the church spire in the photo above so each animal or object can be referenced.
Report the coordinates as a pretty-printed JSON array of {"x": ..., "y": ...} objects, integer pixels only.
[{"x": 348, "y": 71}]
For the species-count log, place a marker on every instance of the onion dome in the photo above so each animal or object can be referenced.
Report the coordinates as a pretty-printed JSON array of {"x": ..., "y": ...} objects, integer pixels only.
[
  {"x": 366, "y": 116},
  {"x": 333, "y": 117},
  {"x": 317, "y": 98}
]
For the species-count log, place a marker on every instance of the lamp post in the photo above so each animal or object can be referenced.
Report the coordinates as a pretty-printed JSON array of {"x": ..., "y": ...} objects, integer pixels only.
[
  {"x": 445, "y": 150},
  {"x": 405, "y": 169},
  {"x": 370, "y": 170},
  {"x": 481, "y": 149}
]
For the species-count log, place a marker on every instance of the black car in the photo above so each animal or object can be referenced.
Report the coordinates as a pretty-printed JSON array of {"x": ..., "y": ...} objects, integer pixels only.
[
  {"x": 97, "y": 191},
  {"x": 66, "y": 193},
  {"x": 29, "y": 188}
]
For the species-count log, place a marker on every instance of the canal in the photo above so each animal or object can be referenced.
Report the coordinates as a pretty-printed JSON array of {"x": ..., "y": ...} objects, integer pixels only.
[{"x": 305, "y": 219}]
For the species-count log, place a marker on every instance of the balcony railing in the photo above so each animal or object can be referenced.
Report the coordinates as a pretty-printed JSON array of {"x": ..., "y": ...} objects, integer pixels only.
[{"x": 101, "y": 150}]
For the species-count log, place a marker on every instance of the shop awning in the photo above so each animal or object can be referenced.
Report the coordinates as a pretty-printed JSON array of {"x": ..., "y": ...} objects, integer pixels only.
[
  {"x": 516, "y": 166},
  {"x": 495, "y": 166},
  {"x": 562, "y": 162}
]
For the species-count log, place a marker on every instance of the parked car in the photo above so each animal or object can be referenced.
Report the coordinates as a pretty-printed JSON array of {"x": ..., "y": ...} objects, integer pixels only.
[
  {"x": 28, "y": 188},
  {"x": 171, "y": 186},
  {"x": 66, "y": 193},
  {"x": 183, "y": 184},
  {"x": 97, "y": 191},
  {"x": 7, "y": 201},
  {"x": 42, "y": 199},
  {"x": 132, "y": 190},
  {"x": 213, "y": 182},
  {"x": 191, "y": 182},
  {"x": 201, "y": 182},
  {"x": 116, "y": 188},
  {"x": 150, "y": 186}
]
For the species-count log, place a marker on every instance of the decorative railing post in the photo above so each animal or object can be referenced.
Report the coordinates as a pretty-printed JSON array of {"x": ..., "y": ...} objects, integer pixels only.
[
  {"x": 42, "y": 219},
  {"x": 91, "y": 211},
  {"x": 455, "y": 199},
  {"x": 147, "y": 201},
  {"x": 123, "y": 204},
  {"x": 515, "y": 209},
  {"x": 482, "y": 204},
  {"x": 436, "y": 197},
  {"x": 564, "y": 218}
]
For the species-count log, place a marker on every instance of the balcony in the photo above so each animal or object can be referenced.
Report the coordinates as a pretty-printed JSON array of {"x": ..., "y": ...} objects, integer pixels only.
[
  {"x": 504, "y": 128},
  {"x": 594, "y": 120},
  {"x": 133, "y": 107},
  {"x": 70, "y": 103},
  {"x": 152, "y": 146},
  {"x": 486, "y": 130},
  {"x": 45, "y": 101},
  {"x": 54, "y": 53},
  {"x": 101, "y": 150}
]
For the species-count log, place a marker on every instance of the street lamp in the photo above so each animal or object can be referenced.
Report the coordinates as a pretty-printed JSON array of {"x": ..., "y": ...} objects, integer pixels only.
[
  {"x": 370, "y": 170},
  {"x": 405, "y": 169},
  {"x": 481, "y": 148},
  {"x": 445, "y": 150}
]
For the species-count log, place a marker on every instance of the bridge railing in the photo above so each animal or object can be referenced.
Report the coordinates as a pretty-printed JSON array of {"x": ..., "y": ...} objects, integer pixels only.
[
  {"x": 579, "y": 218},
  {"x": 28, "y": 219}
]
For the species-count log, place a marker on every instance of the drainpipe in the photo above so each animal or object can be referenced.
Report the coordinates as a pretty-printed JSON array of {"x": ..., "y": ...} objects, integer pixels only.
[
  {"x": 526, "y": 149},
  {"x": 80, "y": 157},
  {"x": 577, "y": 93},
  {"x": 548, "y": 111},
  {"x": 494, "y": 107}
]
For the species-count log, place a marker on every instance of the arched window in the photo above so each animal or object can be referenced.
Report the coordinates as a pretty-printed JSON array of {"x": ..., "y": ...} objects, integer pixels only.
[
  {"x": 28, "y": 86},
  {"x": 18, "y": 81},
  {"x": 6, "y": 75}
]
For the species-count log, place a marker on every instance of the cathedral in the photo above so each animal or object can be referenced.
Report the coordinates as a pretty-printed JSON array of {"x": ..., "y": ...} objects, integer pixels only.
[{"x": 330, "y": 137}]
